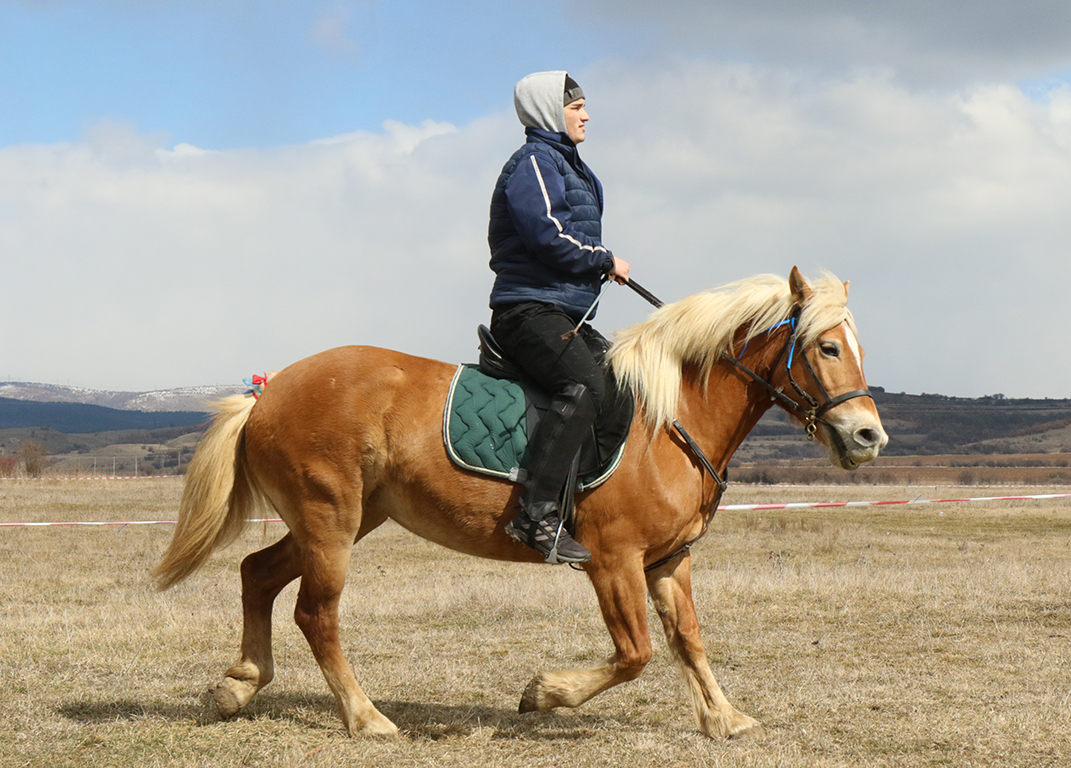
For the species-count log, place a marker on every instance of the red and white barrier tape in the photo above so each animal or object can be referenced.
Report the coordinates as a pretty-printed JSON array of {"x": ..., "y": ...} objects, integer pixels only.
[
  {"x": 722, "y": 508},
  {"x": 826, "y": 504},
  {"x": 96, "y": 477},
  {"x": 122, "y": 522}
]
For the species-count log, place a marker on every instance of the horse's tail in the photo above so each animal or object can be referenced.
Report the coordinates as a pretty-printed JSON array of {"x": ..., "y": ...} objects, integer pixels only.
[{"x": 218, "y": 497}]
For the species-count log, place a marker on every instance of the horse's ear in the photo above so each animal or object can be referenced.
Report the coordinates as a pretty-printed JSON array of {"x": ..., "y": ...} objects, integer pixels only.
[
  {"x": 801, "y": 291},
  {"x": 846, "y": 284}
]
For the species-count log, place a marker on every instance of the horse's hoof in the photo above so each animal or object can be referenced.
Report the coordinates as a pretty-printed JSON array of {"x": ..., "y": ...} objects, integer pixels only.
[
  {"x": 226, "y": 699},
  {"x": 752, "y": 730},
  {"x": 530, "y": 697},
  {"x": 387, "y": 734},
  {"x": 378, "y": 728}
]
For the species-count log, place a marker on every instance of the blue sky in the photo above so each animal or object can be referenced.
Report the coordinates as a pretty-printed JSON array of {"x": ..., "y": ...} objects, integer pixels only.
[
  {"x": 193, "y": 191},
  {"x": 237, "y": 74}
]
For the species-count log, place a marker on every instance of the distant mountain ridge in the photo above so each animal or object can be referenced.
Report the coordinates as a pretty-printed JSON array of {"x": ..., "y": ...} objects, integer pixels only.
[
  {"x": 932, "y": 425},
  {"x": 82, "y": 418},
  {"x": 917, "y": 424},
  {"x": 197, "y": 399}
]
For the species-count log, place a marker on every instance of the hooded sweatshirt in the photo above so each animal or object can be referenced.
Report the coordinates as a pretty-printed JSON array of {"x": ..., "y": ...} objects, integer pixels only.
[{"x": 545, "y": 228}]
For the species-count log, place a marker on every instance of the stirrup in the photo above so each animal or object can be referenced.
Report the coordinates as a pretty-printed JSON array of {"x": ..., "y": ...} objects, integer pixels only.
[{"x": 549, "y": 537}]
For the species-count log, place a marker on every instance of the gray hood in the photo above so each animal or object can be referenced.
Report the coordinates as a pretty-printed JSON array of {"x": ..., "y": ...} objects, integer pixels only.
[{"x": 538, "y": 100}]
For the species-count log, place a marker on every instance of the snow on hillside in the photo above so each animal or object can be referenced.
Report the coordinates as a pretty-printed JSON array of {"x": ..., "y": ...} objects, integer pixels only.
[{"x": 177, "y": 399}]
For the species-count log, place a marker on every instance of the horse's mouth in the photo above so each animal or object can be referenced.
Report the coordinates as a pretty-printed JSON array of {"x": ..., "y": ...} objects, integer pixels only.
[
  {"x": 860, "y": 446},
  {"x": 842, "y": 460}
]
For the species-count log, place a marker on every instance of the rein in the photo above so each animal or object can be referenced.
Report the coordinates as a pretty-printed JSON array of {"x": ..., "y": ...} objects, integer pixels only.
[
  {"x": 693, "y": 446},
  {"x": 811, "y": 413},
  {"x": 704, "y": 462}
]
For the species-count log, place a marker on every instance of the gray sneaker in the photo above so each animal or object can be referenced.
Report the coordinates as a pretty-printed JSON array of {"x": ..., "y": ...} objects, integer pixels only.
[{"x": 548, "y": 537}]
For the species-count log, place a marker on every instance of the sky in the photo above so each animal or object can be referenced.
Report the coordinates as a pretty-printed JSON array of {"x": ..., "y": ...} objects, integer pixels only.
[{"x": 192, "y": 191}]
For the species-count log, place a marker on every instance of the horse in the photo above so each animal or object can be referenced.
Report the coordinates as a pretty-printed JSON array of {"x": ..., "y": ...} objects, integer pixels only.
[{"x": 341, "y": 441}]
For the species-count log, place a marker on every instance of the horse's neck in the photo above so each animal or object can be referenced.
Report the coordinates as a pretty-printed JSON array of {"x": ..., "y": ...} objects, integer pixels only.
[{"x": 721, "y": 411}]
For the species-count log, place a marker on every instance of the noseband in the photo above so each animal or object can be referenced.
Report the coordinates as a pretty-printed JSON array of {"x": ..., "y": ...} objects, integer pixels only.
[{"x": 812, "y": 411}]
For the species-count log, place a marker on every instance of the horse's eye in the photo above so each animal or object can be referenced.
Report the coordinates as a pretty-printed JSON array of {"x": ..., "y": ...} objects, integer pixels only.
[{"x": 829, "y": 349}]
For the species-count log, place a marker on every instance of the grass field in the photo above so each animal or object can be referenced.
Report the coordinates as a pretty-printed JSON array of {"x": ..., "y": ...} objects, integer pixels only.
[{"x": 898, "y": 636}]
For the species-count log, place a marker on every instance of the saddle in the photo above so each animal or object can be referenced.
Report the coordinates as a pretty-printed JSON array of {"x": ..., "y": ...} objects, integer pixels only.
[{"x": 493, "y": 407}]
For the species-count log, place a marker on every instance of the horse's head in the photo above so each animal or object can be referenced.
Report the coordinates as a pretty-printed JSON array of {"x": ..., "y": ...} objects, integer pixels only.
[
  {"x": 824, "y": 377},
  {"x": 817, "y": 377}
]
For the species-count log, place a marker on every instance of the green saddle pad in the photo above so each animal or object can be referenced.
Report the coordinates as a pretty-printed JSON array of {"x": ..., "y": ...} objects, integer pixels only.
[{"x": 485, "y": 428}]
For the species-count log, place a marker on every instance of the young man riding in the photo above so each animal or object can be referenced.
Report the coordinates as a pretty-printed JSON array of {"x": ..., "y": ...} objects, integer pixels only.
[{"x": 547, "y": 254}]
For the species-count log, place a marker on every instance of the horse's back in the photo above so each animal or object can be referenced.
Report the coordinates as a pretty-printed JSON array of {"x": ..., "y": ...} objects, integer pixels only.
[
  {"x": 343, "y": 408},
  {"x": 352, "y": 379}
]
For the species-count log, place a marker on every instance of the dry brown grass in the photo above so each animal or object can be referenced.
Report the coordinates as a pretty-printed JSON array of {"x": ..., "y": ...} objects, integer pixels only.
[{"x": 926, "y": 635}]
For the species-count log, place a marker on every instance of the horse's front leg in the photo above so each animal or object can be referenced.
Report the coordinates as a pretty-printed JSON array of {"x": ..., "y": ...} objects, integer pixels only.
[
  {"x": 620, "y": 589},
  {"x": 671, "y": 590}
]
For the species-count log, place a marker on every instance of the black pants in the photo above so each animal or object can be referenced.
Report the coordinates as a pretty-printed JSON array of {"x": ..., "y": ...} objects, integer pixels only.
[{"x": 531, "y": 334}]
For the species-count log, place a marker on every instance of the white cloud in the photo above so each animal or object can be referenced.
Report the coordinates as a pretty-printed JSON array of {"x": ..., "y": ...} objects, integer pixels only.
[
  {"x": 132, "y": 266},
  {"x": 946, "y": 210},
  {"x": 946, "y": 42},
  {"x": 331, "y": 30},
  {"x": 189, "y": 266}
]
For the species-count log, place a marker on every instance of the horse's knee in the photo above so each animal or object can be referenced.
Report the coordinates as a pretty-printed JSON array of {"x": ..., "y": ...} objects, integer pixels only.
[{"x": 631, "y": 665}]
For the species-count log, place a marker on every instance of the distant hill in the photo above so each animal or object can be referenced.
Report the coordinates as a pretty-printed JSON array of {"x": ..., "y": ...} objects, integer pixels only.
[
  {"x": 177, "y": 399},
  {"x": 78, "y": 418},
  {"x": 934, "y": 425},
  {"x": 923, "y": 424}
]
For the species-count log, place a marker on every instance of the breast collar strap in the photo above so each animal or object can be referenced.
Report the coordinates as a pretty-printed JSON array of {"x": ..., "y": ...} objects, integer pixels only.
[{"x": 707, "y": 466}]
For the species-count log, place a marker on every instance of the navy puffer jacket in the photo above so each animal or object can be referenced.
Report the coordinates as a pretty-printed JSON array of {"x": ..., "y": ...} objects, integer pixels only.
[{"x": 546, "y": 227}]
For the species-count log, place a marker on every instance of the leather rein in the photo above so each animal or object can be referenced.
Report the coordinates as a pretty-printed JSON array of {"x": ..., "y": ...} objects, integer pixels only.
[{"x": 810, "y": 413}]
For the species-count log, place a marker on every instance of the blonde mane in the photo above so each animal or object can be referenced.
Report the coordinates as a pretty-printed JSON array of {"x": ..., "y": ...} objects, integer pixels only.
[{"x": 649, "y": 357}]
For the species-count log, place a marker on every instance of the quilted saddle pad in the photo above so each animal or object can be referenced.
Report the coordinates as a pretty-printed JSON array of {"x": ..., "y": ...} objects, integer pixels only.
[{"x": 486, "y": 424}]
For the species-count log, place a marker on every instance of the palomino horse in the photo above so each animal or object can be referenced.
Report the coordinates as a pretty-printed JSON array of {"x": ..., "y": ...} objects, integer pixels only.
[{"x": 345, "y": 439}]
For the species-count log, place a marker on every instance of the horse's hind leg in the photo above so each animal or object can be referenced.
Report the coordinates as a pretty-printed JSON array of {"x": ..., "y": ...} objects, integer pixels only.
[
  {"x": 316, "y": 613},
  {"x": 670, "y": 588},
  {"x": 264, "y": 575}
]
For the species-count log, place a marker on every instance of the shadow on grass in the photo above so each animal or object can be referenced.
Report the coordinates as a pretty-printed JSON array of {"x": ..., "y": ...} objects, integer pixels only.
[
  {"x": 96, "y": 712},
  {"x": 420, "y": 720},
  {"x": 416, "y": 720},
  {"x": 440, "y": 721}
]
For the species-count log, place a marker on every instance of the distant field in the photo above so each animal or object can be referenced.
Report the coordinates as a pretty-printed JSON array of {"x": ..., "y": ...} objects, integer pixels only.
[
  {"x": 954, "y": 469},
  {"x": 890, "y": 636}
]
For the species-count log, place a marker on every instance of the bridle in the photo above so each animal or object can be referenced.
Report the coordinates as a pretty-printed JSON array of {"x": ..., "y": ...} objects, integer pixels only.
[{"x": 811, "y": 414}]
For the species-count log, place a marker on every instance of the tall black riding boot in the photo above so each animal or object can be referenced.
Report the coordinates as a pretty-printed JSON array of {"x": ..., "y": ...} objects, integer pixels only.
[{"x": 551, "y": 452}]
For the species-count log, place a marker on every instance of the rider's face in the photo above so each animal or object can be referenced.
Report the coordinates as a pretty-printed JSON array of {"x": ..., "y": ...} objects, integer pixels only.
[{"x": 575, "y": 118}]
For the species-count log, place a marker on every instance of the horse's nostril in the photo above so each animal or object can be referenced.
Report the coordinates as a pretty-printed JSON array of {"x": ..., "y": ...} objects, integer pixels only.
[{"x": 867, "y": 437}]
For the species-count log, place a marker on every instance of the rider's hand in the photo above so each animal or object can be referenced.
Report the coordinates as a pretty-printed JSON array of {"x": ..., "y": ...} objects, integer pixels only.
[{"x": 619, "y": 272}]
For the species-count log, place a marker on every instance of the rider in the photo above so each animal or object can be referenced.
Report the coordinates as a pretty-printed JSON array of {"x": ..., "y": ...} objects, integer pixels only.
[{"x": 547, "y": 254}]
